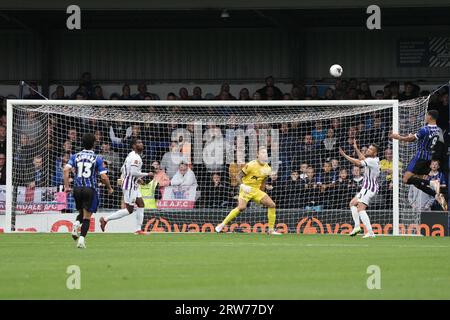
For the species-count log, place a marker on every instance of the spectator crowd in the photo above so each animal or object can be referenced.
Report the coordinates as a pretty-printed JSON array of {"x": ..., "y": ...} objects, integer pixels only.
[{"x": 311, "y": 174}]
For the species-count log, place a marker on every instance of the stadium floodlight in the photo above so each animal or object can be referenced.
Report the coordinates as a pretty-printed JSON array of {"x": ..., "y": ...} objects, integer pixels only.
[{"x": 219, "y": 137}]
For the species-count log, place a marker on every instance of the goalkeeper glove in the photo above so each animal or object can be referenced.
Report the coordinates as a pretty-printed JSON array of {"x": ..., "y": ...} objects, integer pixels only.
[{"x": 245, "y": 188}]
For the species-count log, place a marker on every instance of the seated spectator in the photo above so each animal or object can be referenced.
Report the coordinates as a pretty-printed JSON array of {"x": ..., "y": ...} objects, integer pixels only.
[
  {"x": 329, "y": 94},
  {"x": 59, "y": 94},
  {"x": 172, "y": 159},
  {"x": 33, "y": 92},
  {"x": 114, "y": 96},
  {"x": 98, "y": 93},
  {"x": 244, "y": 94},
  {"x": 436, "y": 174},
  {"x": 225, "y": 93},
  {"x": 2, "y": 169},
  {"x": 313, "y": 93},
  {"x": 287, "y": 96},
  {"x": 303, "y": 171},
  {"x": 257, "y": 96},
  {"x": 184, "y": 177},
  {"x": 409, "y": 92},
  {"x": 298, "y": 92},
  {"x": 171, "y": 96},
  {"x": 197, "y": 93},
  {"x": 184, "y": 94},
  {"x": 276, "y": 92},
  {"x": 160, "y": 175},
  {"x": 379, "y": 95},
  {"x": 126, "y": 92}
]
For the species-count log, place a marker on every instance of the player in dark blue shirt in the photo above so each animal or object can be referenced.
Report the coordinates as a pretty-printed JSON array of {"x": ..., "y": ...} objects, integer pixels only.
[
  {"x": 85, "y": 165},
  {"x": 427, "y": 139}
]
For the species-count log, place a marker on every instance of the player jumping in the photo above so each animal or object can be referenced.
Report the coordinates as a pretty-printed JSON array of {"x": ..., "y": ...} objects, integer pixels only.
[
  {"x": 86, "y": 164},
  {"x": 253, "y": 177},
  {"x": 361, "y": 201},
  {"x": 131, "y": 173},
  {"x": 428, "y": 138}
]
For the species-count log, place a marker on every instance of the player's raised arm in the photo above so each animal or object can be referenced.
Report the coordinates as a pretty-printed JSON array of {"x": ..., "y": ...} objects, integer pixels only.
[
  {"x": 356, "y": 162},
  {"x": 358, "y": 152},
  {"x": 409, "y": 138}
]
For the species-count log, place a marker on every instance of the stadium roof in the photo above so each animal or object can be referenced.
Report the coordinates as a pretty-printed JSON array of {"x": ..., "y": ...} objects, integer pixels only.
[{"x": 215, "y": 4}]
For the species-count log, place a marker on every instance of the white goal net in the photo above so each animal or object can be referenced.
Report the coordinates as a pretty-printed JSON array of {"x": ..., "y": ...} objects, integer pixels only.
[{"x": 311, "y": 183}]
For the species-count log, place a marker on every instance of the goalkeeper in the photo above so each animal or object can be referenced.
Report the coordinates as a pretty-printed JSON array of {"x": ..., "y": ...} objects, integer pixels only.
[{"x": 252, "y": 179}]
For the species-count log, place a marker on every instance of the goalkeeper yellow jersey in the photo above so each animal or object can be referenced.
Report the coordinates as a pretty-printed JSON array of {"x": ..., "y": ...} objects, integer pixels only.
[{"x": 255, "y": 173}]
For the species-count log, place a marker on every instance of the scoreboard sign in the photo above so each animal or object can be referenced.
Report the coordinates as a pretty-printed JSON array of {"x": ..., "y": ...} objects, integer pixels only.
[{"x": 424, "y": 52}]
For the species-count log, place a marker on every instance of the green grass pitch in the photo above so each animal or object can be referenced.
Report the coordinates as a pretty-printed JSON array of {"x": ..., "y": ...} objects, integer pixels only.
[{"x": 224, "y": 266}]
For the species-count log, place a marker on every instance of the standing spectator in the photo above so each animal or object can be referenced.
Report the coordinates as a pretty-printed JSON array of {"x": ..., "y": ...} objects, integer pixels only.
[
  {"x": 184, "y": 177},
  {"x": 298, "y": 92},
  {"x": 2, "y": 139},
  {"x": 160, "y": 175},
  {"x": 40, "y": 174},
  {"x": 214, "y": 193},
  {"x": 442, "y": 107},
  {"x": 365, "y": 89},
  {"x": 274, "y": 188},
  {"x": 305, "y": 149},
  {"x": 294, "y": 191},
  {"x": 72, "y": 137},
  {"x": 319, "y": 133},
  {"x": 357, "y": 179},
  {"x": 2, "y": 169},
  {"x": 329, "y": 144},
  {"x": 311, "y": 191},
  {"x": 172, "y": 159},
  {"x": 335, "y": 169},
  {"x": 225, "y": 93},
  {"x": 142, "y": 90},
  {"x": 270, "y": 82},
  {"x": 379, "y": 95},
  {"x": 112, "y": 157},
  {"x": 343, "y": 191}
]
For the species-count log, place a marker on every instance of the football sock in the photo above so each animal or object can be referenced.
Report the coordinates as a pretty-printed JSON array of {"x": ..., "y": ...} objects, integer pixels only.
[
  {"x": 355, "y": 215},
  {"x": 139, "y": 218},
  {"x": 271, "y": 216},
  {"x": 117, "y": 215},
  {"x": 85, "y": 227},
  {"x": 233, "y": 214},
  {"x": 365, "y": 219}
]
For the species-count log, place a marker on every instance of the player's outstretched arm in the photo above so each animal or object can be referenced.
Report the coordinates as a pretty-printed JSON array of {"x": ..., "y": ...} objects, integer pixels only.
[
  {"x": 408, "y": 138},
  {"x": 358, "y": 152},
  {"x": 105, "y": 180},
  {"x": 356, "y": 162},
  {"x": 67, "y": 170}
]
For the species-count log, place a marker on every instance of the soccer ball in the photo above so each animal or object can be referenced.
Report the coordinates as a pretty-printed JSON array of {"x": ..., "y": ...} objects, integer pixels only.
[{"x": 336, "y": 70}]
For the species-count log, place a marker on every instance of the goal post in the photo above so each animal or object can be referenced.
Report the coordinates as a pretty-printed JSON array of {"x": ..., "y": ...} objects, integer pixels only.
[{"x": 216, "y": 138}]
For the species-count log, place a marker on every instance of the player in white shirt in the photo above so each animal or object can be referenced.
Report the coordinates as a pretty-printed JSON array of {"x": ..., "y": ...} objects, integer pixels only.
[
  {"x": 361, "y": 201},
  {"x": 129, "y": 180}
]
